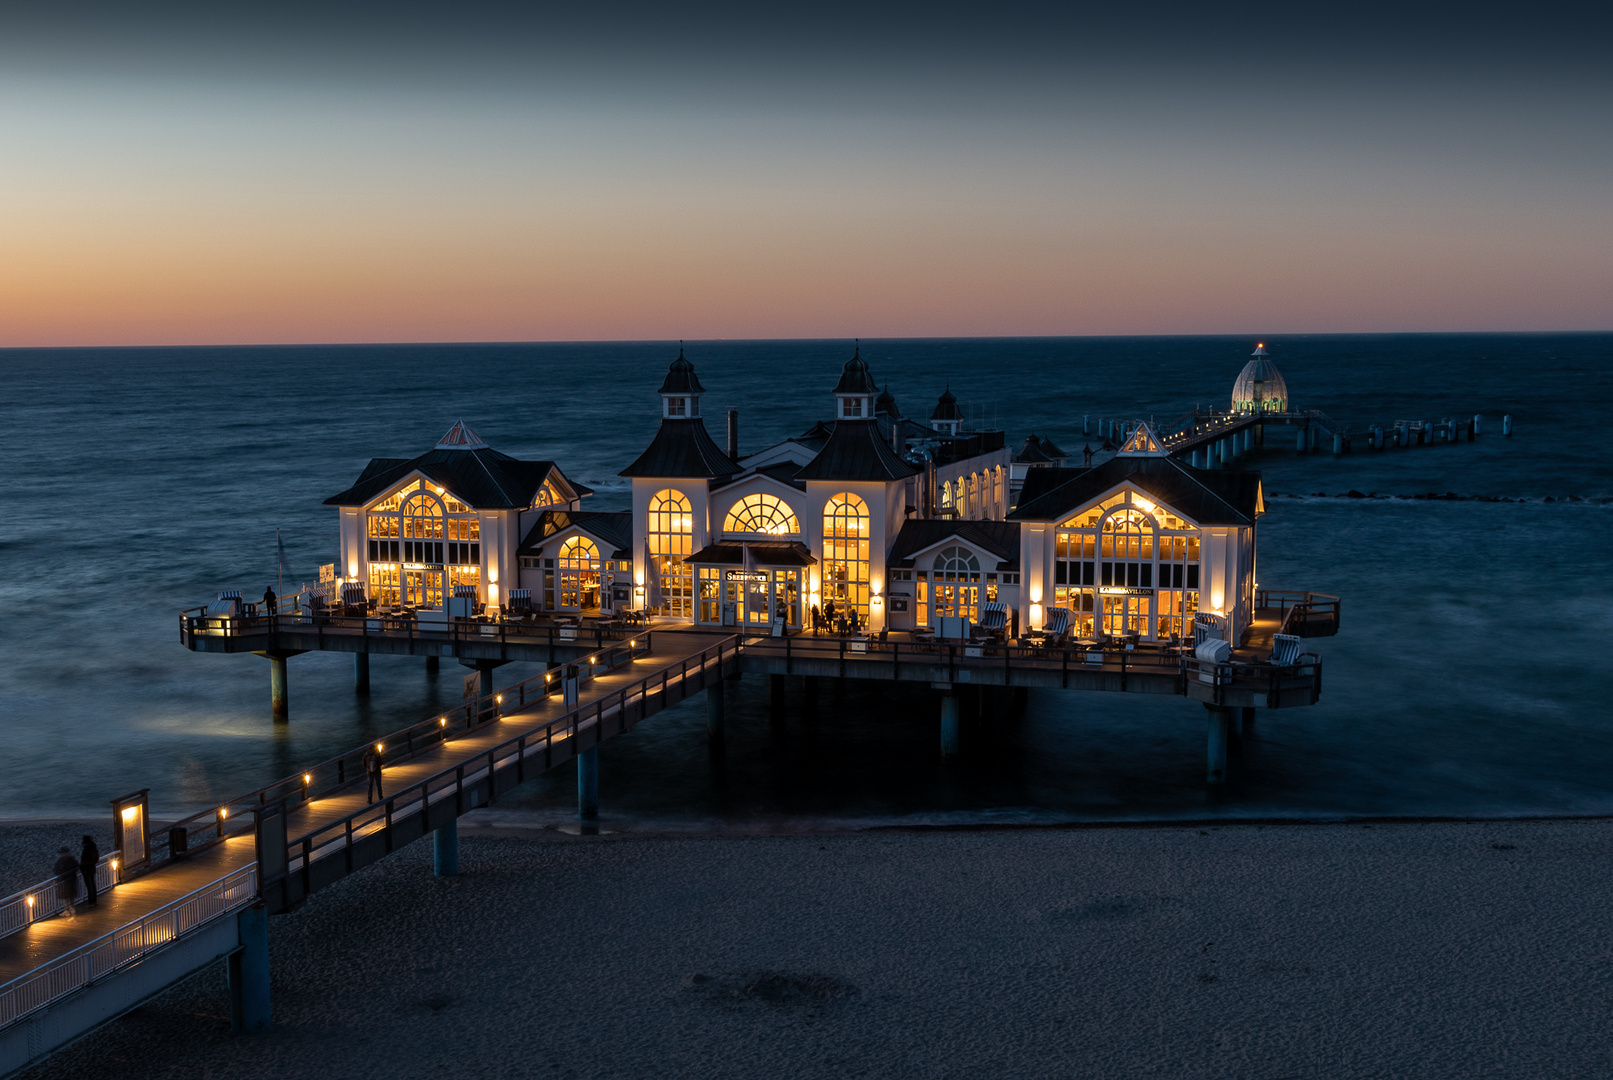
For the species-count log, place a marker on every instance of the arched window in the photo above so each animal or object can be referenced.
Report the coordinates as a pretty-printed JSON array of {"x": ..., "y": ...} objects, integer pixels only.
[
  {"x": 946, "y": 494},
  {"x": 845, "y": 553},
  {"x": 671, "y": 535},
  {"x": 578, "y": 566},
  {"x": 761, "y": 514},
  {"x": 422, "y": 517},
  {"x": 954, "y": 561}
]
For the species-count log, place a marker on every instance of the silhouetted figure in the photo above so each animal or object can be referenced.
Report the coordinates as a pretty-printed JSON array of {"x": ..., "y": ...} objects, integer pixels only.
[
  {"x": 372, "y": 766},
  {"x": 856, "y": 620},
  {"x": 66, "y": 871},
  {"x": 271, "y": 602},
  {"x": 1086, "y": 454},
  {"x": 88, "y": 856},
  {"x": 829, "y": 613}
]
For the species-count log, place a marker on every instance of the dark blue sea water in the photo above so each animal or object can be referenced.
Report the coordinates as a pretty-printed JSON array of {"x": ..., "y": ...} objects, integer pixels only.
[{"x": 1470, "y": 676}]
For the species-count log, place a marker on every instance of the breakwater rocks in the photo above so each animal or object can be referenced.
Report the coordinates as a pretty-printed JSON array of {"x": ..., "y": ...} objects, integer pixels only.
[{"x": 1449, "y": 496}]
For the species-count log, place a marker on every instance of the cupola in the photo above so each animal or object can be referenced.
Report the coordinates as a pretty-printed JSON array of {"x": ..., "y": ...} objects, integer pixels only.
[
  {"x": 681, "y": 390},
  {"x": 1260, "y": 387},
  {"x": 856, "y": 390},
  {"x": 885, "y": 405},
  {"x": 947, "y": 417}
]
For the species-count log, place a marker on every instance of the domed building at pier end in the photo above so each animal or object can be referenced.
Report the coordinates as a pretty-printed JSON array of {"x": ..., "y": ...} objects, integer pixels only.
[{"x": 1260, "y": 387}]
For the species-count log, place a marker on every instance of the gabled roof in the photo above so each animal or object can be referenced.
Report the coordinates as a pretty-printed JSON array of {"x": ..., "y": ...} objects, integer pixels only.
[
  {"x": 782, "y": 472},
  {"x": 1051, "y": 449},
  {"x": 614, "y": 529},
  {"x": 1209, "y": 498},
  {"x": 1001, "y": 538},
  {"x": 1142, "y": 443},
  {"x": 461, "y": 437},
  {"x": 482, "y": 478},
  {"x": 856, "y": 450},
  {"x": 682, "y": 448}
]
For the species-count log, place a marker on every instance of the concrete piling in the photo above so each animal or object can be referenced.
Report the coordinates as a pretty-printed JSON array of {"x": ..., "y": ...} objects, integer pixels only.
[
  {"x": 1216, "y": 758},
  {"x": 277, "y": 689},
  {"x": 588, "y": 785},
  {"x": 432, "y": 665},
  {"x": 361, "y": 673},
  {"x": 1478, "y": 424},
  {"x": 248, "y": 971},
  {"x": 949, "y": 723},
  {"x": 714, "y": 710},
  {"x": 1506, "y": 425},
  {"x": 445, "y": 849},
  {"x": 1338, "y": 443}
]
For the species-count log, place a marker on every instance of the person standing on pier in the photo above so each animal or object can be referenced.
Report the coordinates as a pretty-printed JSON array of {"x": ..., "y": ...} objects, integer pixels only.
[
  {"x": 270, "y": 601},
  {"x": 372, "y": 766},
  {"x": 89, "y": 856},
  {"x": 66, "y": 881}
]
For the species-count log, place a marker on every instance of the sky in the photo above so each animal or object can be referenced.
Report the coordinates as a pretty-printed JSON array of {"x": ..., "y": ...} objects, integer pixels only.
[{"x": 184, "y": 174}]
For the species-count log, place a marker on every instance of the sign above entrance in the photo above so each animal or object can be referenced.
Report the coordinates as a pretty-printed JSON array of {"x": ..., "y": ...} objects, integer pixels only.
[
  {"x": 744, "y": 575},
  {"x": 422, "y": 566},
  {"x": 1117, "y": 591}
]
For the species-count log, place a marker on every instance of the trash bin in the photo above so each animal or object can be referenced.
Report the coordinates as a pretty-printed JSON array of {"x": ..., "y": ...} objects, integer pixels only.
[{"x": 178, "y": 842}]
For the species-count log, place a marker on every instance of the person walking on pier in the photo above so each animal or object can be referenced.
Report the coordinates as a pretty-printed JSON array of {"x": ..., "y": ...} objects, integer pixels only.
[
  {"x": 66, "y": 881},
  {"x": 88, "y": 857},
  {"x": 372, "y": 766},
  {"x": 271, "y": 602}
]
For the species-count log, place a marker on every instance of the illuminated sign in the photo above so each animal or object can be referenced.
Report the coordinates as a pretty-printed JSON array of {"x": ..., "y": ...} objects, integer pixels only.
[
  {"x": 1116, "y": 591},
  {"x": 744, "y": 575},
  {"x": 422, "y": 566}
]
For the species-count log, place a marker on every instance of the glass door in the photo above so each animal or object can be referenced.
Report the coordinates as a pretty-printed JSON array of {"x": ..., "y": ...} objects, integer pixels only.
[{"x": 422, "y": 588}]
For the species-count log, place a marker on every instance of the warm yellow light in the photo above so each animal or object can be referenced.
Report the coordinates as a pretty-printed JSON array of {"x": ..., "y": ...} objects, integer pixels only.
[
  {"x": 307, "y": 778},
  {"x": 379, "y": 748},
  {"x": 443, "y": 722},
  {"x": 593, "y": 659},
  {"x": 1148, "y": 507},
  {"x": 223, "y": 813},
  {"x": 547, "y": 677},
  {"x": 30, "y": 901},
  {"x": 492, "y": 574},
  {"x": 633, "y": 643},
  {"x": 130, "y": 813},
  {"x": 498, "y": 698},
  {"x": 352, "y": 571}
]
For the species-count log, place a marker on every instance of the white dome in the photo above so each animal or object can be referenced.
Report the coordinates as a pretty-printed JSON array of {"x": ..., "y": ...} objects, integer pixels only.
[{"x": 1260, "y": 386}]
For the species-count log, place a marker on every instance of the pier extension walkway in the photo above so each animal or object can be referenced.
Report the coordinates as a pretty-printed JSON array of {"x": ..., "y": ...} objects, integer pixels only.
[{"x": 207, "y": 895}]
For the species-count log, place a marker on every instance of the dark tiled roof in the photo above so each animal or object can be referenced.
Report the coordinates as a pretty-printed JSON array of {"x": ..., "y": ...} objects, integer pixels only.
[
  {"x": 855, "y": 378},
  {"x": 887, "y": 404},
  {"x": 763, "y": 553},
  {"x": 947, "y": 407},
  {"x": 616, "y": 529},
  {"x": 1001, "y": 538},
  {"x": 682, "y": 448},
  {"x": 1209, "y": 498},
  {"x": 484, "y": 478},
  {"x": 1050, "y": 448},
  {"x": 681, "y": 379},
  {"x": 856, "y": 450},
  {"x": 1039, "y": 482},
  {"x": 1031, "y": 453}
]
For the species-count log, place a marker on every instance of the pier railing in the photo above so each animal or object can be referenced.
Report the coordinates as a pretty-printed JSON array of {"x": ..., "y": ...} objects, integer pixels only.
[
  {"x": 578, "y": 729},
  {"x": 72, "y": 971},
  {"x": 22, "y": 909},
  {"x": 1307, "y": 614},
  {"x": 196, "y": 622},
  {"x": 209, "y": 827}
]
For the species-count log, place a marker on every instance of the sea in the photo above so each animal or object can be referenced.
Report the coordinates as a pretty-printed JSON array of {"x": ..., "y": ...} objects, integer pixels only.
[{"x": 1469, "y": 676}]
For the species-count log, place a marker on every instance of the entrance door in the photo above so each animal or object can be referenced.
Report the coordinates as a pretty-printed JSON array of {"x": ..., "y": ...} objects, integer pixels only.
[
  {"x": 1128, "y": 614},
  {"x": 758, "y": 610},
  {"x": 422, "y": 588}
]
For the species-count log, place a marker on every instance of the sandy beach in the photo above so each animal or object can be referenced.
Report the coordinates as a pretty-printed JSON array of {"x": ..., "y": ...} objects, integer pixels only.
[{"x": 1430, "y": 950}]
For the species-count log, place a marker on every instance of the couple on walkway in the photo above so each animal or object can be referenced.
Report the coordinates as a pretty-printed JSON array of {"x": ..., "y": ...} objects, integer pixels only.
[{"x": 68, "y": 870}]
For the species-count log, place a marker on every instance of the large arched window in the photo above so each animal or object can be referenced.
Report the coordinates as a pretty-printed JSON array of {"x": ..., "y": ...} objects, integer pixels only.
[
  {"x": 955, "y": 561},
  {"x": 954, "y": 588},
  {"x": 845, "y": 553},
  {"x": 761, "y": 514},
  {"x": 671, "y": 535}
]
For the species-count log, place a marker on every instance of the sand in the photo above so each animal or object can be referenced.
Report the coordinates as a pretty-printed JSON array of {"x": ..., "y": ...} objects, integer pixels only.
[{"x": 1424, "y": 950}]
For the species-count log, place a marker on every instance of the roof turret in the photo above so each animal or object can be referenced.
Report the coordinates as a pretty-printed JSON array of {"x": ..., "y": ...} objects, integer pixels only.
[
  {"x": 461, "y": 437},
  {"x": 680, "y": 377},
  {"x": 855, "y": 377},
  {"x": 1032, "y": 453},
  {"x": 947, "y": 407},
  {"x": 886, "y": 404}
]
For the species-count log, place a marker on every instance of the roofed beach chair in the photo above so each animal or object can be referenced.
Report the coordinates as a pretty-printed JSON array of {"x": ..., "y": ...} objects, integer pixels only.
[
  {"x": 994, "y": 617},
  {"x": 353, "y": 600},
  {"x": 1285, "y": 650},
  {"x": 1056, "y": 627},
  {"x": 520, "y": 601}
]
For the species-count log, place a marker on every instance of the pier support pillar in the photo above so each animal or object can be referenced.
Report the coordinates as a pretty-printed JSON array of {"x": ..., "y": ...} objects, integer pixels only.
[
  {"x": 277, "y": 689},
  {"x": 1247, "y": 723},
  {"x": 775, "y": 693},
  {"x": 432, "y": 665},
  {"x": 361, "y": 673},
  {"x": 809, "y": 693},
  {"x": 1216, "y": 763},
  {"x": 588, "y": 785},
  {"x": 248, "y": 971},
  {"x": 445, "y": 849},
  {"x": 949, "y": 723},
  {"x": 714, "y": 710}
]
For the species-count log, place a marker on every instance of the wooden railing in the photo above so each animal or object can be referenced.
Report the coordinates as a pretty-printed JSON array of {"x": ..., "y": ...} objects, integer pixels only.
[
  {"x": 1299, "y": 606},
  {"x": 22, "y": 909},
  {"x": 212, "y": 826}
]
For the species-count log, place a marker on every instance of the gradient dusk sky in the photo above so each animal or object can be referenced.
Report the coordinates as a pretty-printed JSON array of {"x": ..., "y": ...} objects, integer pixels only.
[{"x": 173, "y": 174}]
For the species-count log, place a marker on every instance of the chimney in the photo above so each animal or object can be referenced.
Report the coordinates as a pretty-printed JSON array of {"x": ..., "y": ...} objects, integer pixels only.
[{"x": 733, "y": 434}]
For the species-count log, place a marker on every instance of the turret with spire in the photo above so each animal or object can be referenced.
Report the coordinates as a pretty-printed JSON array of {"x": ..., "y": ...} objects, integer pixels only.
[
  {"x": 947, "y": 417},
  {"x": 854, "y": 395}
]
